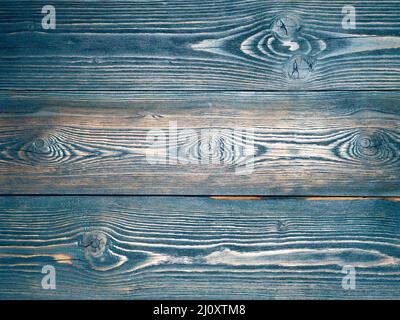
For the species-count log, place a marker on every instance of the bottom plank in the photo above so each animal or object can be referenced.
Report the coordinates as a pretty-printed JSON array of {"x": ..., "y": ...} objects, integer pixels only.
[{"x": 198, "y": 247}]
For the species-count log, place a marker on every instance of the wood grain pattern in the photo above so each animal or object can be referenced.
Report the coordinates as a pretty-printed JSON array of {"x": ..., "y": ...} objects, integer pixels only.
[
  {"x": 320, "y": 103},
  {"x": 337, "y": 144},
  {"x": 198, "y": 45},
  {"x": 184, "y": 247}
]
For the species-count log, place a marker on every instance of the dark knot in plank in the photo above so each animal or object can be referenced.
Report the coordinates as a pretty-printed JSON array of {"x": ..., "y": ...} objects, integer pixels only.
[
  {"x": 39, "y": 144},
  {"x": 299, "y": 67},
  {"x": 285, "y": 27},
  {"x": 50, "y": 147},
  {"x": 301, "y": 49},
  {"x": 282, "y": 226},
  {"x": 44, "y": 148},
  {"x": 379, "y": 147},
  {"x": 94, "y": 243},
  {"x": 96, "y": 60},
  {"x": 369, "y": 145},
  {"x": 100, "y": 253}
]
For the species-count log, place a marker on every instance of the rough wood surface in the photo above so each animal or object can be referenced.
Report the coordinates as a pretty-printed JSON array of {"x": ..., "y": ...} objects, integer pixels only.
[
  {"x": 340, "y": 143},
  {"x": 184, "y": 247},
  {"x": 320, "y": 103},
  {"x": 199, "y": 45}
]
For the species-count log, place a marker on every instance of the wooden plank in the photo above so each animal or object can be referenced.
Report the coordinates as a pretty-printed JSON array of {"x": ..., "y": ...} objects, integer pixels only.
[
  {"x": 333, "y": 144},
  {"x": 199, "y": 45},
  {"x": 197, "y": 247}
]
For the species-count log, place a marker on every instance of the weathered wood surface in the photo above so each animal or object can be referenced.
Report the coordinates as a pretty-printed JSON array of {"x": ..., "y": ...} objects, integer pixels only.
[
  {"x": 77, "y": 105},
  {"x": 198, "y": 45},
  {"x": 184, "y": 247},
  {"x": 340, "y": 143}
]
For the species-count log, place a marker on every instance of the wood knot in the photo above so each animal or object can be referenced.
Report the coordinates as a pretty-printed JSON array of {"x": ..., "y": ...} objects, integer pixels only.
[
  {"x": 98, "y": 251},
  {"x": 379, "y": 147},
  {"x": 285, "y": 27},
  {"x": 39, "y": 143},
  {"x": 299, "y": 67},
  {"x": 42, "y": 145},
  {"x": 96, "y": 60},
  {"x": 368, "y": 145},
  {"x": 94, "y": 244},
  {"x": 282, "y": 226},
  {"x": 46, "y": 148}
]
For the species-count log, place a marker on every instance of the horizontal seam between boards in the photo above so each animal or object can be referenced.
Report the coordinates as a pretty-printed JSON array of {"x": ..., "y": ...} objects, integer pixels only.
[{"x": 211, "y": 196}]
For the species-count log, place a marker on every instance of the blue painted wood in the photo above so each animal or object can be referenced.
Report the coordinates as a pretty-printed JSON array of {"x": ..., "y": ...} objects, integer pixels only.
[
  {"x": 340, "y": 143},
  {"x": 76, "y": 104},
  {"x": 199, "y": 45},
  {"x": 185, "y": 247}
]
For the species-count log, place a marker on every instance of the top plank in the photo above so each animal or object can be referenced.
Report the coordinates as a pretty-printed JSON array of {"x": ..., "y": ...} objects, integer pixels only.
[{"x": 200, "y": 45}]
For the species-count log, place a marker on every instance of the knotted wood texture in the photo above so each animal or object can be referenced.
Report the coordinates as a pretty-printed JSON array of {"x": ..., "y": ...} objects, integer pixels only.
[
  {"x": 340, "y": 143},
  {"x": 319, "y": 103},
  {"x": 199, "y": 45},
  {"x": 193, "y": 247}
]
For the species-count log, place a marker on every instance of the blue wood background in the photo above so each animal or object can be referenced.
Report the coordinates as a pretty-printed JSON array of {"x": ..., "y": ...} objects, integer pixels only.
[{"x": 76, "y": 190}]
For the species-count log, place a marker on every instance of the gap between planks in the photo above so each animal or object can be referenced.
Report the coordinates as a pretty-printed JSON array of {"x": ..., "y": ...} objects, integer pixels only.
[
  {"x": 308, "y": 198},
  {"x": 222, "y": 197}
]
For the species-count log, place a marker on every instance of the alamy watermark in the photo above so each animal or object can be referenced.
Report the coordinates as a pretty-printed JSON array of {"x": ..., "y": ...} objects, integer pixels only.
[
  {"x": 208, "y": 146},
  {"x": 49, "y": 280},
  {"x": 49, "y": 20},
  {"x": 349, "y": 280},
  {"x": 349, "y": 19}
]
